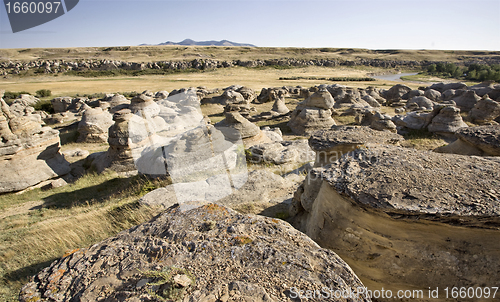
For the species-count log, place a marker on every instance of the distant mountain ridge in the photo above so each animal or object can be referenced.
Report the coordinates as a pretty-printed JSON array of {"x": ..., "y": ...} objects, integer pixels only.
[{"x": 189, "y": 42}]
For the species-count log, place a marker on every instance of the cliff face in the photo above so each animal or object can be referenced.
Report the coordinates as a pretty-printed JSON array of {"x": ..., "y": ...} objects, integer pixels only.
[
  {"x": 196, "y": 252},
  {"x": 406, "y": 219}
]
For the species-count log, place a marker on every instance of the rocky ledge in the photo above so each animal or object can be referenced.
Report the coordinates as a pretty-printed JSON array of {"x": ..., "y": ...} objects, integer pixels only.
[
  {"x": 401, "y": 180},
  {"x": 196, "y": 252}
]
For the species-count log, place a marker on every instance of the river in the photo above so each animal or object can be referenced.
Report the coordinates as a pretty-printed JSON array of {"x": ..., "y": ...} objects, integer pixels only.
[{"x": 393, "y": 77}]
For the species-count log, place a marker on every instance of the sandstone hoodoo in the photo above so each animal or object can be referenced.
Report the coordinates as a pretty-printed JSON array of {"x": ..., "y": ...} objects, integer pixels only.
[
  {"x": 29, "y": 153},
  {"x": 250, "y": 133},
  {"x": 481, "y": 140},
  {"x": 197, "y": 252},
  {"x": 447, "y": 120},
  {"x": 405, "y": 218},
  {"x": 313, "y": 114},
  {"x": 119, "y": 155}
]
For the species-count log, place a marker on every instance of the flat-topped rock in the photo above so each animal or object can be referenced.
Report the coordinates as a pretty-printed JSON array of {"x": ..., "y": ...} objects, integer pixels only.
[
  {"x": 331, "y": 144},
  {"x": 325, "y": 140},
  {"x": 400, "y": 180},
  {"x": 210, "y": 251}
]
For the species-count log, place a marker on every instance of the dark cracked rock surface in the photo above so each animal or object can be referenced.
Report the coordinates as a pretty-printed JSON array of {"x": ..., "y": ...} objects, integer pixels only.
[
  {"x": 406, "y": 181},
  {"x": 212, "y": 254},
  {"x": 326, "y": 140}
]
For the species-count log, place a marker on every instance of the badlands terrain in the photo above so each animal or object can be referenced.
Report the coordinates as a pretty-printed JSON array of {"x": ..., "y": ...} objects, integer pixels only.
[{"x": 161, "y": 173}]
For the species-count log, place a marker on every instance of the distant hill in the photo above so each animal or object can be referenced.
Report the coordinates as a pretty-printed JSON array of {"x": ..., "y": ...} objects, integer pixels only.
[{"x": 189, "y": 42}]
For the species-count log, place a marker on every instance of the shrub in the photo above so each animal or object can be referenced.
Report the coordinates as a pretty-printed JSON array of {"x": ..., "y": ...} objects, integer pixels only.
[
  {"x": 45, "y": 106},
  {"x": 43, "y": 93},
  {"x": 11, "y": 95}
]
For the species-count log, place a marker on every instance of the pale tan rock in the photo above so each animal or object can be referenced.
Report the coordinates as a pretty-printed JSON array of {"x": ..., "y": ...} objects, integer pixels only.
[{"x": 94, "y": 126}]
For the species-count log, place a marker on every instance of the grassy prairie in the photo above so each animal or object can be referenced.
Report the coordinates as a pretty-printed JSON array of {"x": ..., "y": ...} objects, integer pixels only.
[
  {"x": 38, "y": 226},
  {"x": 181, "y": 53},
  {"x": 255, "y": 78}
]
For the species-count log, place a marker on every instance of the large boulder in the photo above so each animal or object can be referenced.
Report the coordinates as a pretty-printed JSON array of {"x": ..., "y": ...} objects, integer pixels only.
[
  {"x": 247, "y": 93},
  {"x": 371, "y": 101},
  {"x": 485, "y": 111},
  {"x": 93, "y": 128},
  {"x": 489, "y": 88},
  {"x": 270, "y": 95},
  {"x": 115, "y": 103},
  {"x": 413, "y": 120},
  {"x": 441, "y": 87},
  {"x": 278, "y": 153},
  {"x": 433, "y": 95},
  {"x": 375, "y": 119},
  {"x": 420, "y": 103},
  {"x": 395, "y": 93},
  {"x": 279, "y": 107},
  {"x": 234, "y": 120},
  {"x": 61, "y": 104},
  {"x": 199, "y": 252},
  {"x": 481, "y": 140},
  {"x": 232, "y": 97}
]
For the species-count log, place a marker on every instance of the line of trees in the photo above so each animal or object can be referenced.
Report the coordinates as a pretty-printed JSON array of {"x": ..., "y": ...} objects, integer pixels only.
[{"x": 473, "y": 72}]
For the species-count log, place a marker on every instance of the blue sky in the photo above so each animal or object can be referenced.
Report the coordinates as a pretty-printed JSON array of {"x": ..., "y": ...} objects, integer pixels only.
[{"x": 375, "y": 24}]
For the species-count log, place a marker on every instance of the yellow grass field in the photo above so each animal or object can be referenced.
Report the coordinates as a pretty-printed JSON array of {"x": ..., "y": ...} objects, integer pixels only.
[{"x": 255, "y": 78}]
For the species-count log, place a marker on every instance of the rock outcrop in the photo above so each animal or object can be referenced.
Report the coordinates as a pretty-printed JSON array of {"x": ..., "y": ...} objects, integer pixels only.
[
  {"x": 481, "y": 140},
  {"x": 419, "y": 103},
  {"x": 119, "y": 156},
  {"x": 200, "y": 252},
  {"x": 278, "y": 153},
  {"x": 330, "y": 145},
  {"x": 374, "y": 119},
  {"x": 29, "y": 153},
  {"x": 393, "y": 212}
]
